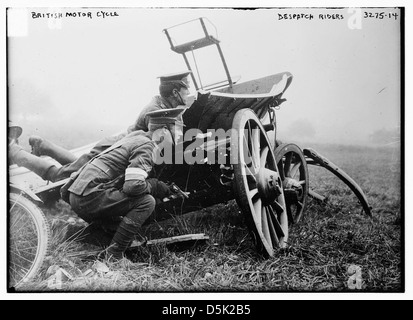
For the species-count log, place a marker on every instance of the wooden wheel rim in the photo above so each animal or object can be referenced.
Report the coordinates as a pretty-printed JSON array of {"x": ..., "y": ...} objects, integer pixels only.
[
  {"x": 292, "y": 165},
  {"x": 255, "y": 167}
]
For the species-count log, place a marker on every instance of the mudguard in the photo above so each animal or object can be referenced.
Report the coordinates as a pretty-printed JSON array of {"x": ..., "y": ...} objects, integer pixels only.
[
  {"x": 314, "y": 158},
  {"x": 16, "y": 189}
]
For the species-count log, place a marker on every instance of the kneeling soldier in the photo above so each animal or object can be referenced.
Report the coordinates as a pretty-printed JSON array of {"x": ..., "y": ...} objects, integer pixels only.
[{"x": 99, "y": 192}]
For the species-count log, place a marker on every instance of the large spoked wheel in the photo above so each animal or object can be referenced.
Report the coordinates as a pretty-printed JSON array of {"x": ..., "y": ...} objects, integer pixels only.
[
  {"x": 293, "y": 170},
  {"x": 258, "y": 185},
  {"x": 28, "y": 239}
]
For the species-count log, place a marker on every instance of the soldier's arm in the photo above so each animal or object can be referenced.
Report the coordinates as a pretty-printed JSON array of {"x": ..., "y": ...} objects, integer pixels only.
[
  {"x": 140, "y": 164},
  {"x": 136, "y": 175}
]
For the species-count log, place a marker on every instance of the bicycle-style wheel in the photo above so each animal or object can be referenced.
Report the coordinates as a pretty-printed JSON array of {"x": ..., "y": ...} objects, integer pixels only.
[{"x": 28, "y": 239}]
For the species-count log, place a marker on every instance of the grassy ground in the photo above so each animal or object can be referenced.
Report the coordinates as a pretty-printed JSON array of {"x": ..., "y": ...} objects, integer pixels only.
[{"x": 331, "y": 237}]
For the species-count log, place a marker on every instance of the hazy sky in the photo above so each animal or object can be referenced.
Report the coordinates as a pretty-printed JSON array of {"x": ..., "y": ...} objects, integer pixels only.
[
  {"x": 75, "y": 71},
  {"x": 97, "y": 73}
]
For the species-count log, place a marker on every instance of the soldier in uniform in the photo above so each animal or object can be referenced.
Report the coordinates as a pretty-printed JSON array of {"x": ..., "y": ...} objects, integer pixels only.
[
  {"x": 117, "y": 183},
  {"x": 173, "y": 92}
]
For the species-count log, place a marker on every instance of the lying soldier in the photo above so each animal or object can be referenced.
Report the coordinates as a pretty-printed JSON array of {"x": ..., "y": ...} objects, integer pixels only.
[{"x": 173, "y": 92}]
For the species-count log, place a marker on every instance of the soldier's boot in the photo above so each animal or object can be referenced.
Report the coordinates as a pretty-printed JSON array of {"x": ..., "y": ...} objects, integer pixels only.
[
  {"x": 123, "y": 237},
  {"x": 131, "y": 226},
  {"x": 42, "y": 167},
  {"x": 42, "y": 146}
]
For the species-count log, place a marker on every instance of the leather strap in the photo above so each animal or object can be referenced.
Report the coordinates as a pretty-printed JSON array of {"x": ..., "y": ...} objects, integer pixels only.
[{"x": 102, "y": 166}]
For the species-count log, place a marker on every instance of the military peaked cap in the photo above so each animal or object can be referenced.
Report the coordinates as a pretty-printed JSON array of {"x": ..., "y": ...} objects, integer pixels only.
[
  {"x": 166, "y": 116},
  {"x": 180, "y": 78}
]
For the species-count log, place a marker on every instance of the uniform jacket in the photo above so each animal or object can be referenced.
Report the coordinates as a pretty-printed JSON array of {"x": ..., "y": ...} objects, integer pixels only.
[{"x": 132, "y": 161}]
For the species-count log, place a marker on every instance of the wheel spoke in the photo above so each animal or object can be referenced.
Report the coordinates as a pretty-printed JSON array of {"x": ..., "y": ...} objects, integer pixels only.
[
  {"x": 264, "y": 155},
  {"x": 295, "y": 168},
  {"x": 252, "y": 193},
  {"x": 271, "y": 228},
  {"x": 16, "y": 221},
  {"x": 247, "y": 156},
  {"x": 290, "y": 215},
  {"x": 258, "y": 211},
  {"x": 18, "y": 273},
  {"x": 253, "y": 144},
  {"x": 275, "y": 222},
  {"x": 30, "y": 261},
  {"x": 249, "y": 172},
  {"x": 299, "y": 206},
  {"x": 256, "y": 146},
  {"x": 277, "y": 207},
  {"x": 265, "y": 228},
  {"x": 287, "y": 164},
  {"x": 15, "y": 202},
  {"x": 28, "y": 249}
]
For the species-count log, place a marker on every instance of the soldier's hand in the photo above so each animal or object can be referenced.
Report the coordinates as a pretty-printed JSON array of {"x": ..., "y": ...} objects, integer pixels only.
[{"x": 158, "y": 189}]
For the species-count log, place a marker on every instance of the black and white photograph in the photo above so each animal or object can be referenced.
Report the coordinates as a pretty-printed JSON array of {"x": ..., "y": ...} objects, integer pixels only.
[{"x": 207, "y": 150}]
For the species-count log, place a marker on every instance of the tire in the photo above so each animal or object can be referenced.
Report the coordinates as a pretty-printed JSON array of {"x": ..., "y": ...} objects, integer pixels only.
[{"x": 28, "y": 239}]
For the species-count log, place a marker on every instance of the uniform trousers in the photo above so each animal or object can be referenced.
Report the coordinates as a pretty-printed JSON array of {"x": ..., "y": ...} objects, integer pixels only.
[{"x": 109, "y": 205}]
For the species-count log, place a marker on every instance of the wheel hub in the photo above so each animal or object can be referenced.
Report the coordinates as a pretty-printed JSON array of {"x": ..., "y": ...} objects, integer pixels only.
[
  {"x": 269, "y": 185},
  {"x": 291, "y": 185}
]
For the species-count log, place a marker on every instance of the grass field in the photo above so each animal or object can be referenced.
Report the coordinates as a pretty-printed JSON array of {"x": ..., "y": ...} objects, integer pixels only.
[{"x": 331, "y": 237}]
